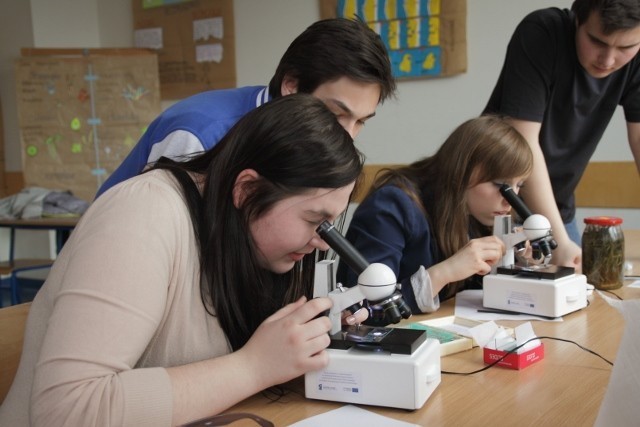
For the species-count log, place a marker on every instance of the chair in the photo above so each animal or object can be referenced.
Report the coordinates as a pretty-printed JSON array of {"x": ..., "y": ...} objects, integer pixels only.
[
  {"x": 12, "y": 324},
  {"x": 12, "y": 268},
  {"x": 14, "y": 265}
]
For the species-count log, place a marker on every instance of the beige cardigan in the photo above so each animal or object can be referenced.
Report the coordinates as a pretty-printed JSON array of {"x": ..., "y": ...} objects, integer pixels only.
[{"x": 122, "y": 302}]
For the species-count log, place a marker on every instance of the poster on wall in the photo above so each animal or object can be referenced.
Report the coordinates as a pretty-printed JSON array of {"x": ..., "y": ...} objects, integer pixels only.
[
  {"x": 81, "y": 112},
  {"x": 194, "y": 40},
  {"x": 424, "y": 38},
  {"x": 3, "y": 183}
]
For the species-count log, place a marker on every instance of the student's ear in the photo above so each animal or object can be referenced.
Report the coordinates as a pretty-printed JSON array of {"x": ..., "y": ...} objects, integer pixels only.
[
  {"x": 240, "y": 188},
  {"x": 289, "y": 85}
]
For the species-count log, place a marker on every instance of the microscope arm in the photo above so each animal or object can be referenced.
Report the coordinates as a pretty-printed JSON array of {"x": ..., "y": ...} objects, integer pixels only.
[
  {"x": 376, "y": 282},
  {"x": 546, "y": 244},
  {"x": 536, "y": 228},
  {"x": 342, "y": 298}
]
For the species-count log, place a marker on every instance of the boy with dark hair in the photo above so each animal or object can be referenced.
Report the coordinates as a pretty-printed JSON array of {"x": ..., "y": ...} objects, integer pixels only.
[{"x": 341, "y": 61}]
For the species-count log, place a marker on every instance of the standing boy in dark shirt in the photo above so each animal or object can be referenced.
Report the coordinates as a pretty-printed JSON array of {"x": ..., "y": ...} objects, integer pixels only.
[{"x": 564, "y": 73}]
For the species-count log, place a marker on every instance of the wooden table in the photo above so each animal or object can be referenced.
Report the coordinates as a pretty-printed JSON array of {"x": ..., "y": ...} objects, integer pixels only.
[{"x": 566, "y": 388}]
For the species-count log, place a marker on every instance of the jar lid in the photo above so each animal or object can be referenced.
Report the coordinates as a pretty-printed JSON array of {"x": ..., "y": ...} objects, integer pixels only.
[{"x": 603, "y": 220}]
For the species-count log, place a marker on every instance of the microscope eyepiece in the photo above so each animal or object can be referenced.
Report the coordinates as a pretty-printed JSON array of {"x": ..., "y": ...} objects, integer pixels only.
[
  {"x": 515, "y": 201},
  {"x": 342, "y": 247},
  {"x": 382, "y": 311}
]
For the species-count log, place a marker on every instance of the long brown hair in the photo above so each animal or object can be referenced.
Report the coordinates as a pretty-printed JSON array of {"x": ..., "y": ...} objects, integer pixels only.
[{"x": 482, "y": 149}]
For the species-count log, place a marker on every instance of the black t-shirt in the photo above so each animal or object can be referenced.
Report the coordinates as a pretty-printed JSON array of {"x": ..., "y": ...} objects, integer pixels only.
[{"x": 543, "y": 81}]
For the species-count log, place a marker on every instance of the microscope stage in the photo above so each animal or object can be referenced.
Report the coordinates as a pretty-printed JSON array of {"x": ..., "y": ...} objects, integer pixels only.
[
  {"x": 377, "y": 339},
  {"x": 550, "y": 272}
]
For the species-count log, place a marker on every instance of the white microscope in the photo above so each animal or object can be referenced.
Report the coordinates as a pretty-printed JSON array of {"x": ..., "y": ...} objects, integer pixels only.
[
  {"x": 537, "y": 288},
  {"x": 382, "y": 366}
]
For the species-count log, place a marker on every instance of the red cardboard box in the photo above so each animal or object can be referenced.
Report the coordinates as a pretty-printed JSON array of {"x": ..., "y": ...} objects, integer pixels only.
[{"x": 514, "y": 360}]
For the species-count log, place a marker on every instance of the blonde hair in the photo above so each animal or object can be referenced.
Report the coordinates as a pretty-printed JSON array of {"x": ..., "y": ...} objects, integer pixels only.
[{"x": 482, "y": 149}]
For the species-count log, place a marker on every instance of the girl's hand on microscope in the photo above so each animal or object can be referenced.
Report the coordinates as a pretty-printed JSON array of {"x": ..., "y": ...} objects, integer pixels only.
[
  {"x": 289, "y": 343},
  {"x": 356, "y": 318},
  {"x": 523, "y": 253},
  {"x": 476, "y": 257}
]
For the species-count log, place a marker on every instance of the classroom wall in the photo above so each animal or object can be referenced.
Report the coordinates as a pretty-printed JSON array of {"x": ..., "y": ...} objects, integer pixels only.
[
  {"x": 425, "y": 112},
  {"x": 15, "y": 31}
]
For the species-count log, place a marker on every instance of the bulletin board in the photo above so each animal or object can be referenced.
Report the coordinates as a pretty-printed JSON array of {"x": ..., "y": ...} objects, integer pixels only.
[
  {"x": 424, "y": 38},
  {"x": 81, "y": 111},
  {"x": 194, "y": 40},
  {"x": 3, "y": 183}
]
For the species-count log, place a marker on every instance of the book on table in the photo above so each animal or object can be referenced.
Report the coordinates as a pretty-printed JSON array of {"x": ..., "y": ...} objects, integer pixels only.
[{"x": 452, "y": 332}]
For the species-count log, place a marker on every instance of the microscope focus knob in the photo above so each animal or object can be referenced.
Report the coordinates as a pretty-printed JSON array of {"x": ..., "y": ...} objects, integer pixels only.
[{"x": 377, "y": 282}]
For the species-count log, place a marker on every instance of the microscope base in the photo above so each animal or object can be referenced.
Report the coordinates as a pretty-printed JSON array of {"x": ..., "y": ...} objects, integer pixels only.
[
  {"x": 542, "y": 297},
  {"x": 378, "y": 378}
]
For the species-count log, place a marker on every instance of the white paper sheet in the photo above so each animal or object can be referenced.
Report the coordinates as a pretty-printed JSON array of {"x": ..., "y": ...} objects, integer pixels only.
[
  {"x": 620, "y": 404},
  {"x": 351, "y": 416},
  {"x": 635, "y": 284}
]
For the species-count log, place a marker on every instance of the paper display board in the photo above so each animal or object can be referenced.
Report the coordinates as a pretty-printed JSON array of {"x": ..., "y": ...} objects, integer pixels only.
[
  {"x": 3, "y": 181},
  {"x": 425, "y": 38},
  {"x": 80, "y": 114},
  {"x": 194, "y": 40}
]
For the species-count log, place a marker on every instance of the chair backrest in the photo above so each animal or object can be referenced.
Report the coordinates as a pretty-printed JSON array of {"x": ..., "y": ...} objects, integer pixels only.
[{"x": 12, "y": 324}]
